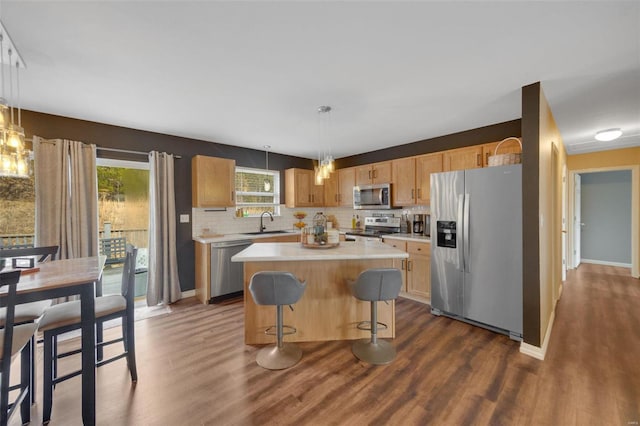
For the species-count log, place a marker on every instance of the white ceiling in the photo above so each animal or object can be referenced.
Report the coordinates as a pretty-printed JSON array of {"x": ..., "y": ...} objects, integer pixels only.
[{"x": 253, "y": 73}]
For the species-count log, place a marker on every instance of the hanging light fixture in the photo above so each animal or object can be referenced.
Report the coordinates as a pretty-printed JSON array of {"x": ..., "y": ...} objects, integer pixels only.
[
  {"x": 326, "y": 164},
  {"x": 267, "y": 182},
  {"x": 14, "y": 157}
]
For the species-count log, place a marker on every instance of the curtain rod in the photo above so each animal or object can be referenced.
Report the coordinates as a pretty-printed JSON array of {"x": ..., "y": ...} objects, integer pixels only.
[
  {"x": 128, "y": 151},
  {"x": 124, "y": 151}
]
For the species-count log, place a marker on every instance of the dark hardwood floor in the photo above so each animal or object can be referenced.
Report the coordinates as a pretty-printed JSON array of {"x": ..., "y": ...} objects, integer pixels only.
[{"x": 195, "y": 370}]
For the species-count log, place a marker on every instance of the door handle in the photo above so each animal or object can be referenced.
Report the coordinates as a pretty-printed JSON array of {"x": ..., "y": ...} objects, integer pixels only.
[
  {"x": 465, "y": 236},
  {"x": 460, "y": 232}
]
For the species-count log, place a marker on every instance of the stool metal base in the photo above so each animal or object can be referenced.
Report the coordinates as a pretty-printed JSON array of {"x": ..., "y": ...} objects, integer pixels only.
[
  {"x": 378, "y": 353},
  {"x": 275, "y": 358}
]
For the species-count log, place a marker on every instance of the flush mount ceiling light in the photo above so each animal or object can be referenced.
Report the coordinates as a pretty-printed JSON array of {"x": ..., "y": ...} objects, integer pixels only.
[
  {"x": 326, "y": 165},
  {"x": 14, "y": 158},
  {"x": 608, "y": 135}
]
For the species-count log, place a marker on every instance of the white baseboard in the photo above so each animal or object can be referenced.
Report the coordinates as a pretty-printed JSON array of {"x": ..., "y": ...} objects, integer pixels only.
[
  {"x": 606, "y": 263},
  {"x": 535, "y": 351},
  {"x": 188, "y": 293}
]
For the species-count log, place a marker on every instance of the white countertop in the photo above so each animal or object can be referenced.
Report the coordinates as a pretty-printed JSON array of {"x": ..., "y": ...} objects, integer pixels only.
[
  {"x": 236, "y": 237},
  {"x": 407, "y": 237},
  {"x": 347, "y": 250}
]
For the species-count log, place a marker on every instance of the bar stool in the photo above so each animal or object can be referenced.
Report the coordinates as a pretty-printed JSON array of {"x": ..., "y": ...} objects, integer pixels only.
[
  {"x": 277, "y": 288},
  {"x": 375, "y": 285}
]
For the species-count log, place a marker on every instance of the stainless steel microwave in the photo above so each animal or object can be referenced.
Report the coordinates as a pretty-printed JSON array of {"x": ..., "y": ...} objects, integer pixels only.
[{"x": 372, "y": 197}]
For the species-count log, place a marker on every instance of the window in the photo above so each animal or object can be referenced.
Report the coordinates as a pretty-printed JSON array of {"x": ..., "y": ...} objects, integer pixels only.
[
  {"x": 17, "y": 211},
  {"x": 257, "y": 191}
]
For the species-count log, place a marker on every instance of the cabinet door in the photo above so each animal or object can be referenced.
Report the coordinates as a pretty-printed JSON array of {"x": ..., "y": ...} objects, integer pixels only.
[
  {"x": 332, "y": 190},
  {"x": 203, "y": 272},
  {"x": 403, "y": 177},
  {"x": 364, "y": 175},
  {"x": 299, "y": 188},
  {"x": 463, "y": 158},
  {"x": 425, "y": 165},
  {"x": 347, "y": 180},
  {"x": 400, "y": 263},
  {"x": 317, "y": 192},
  {"x": 418, "y": 270},
  {"x": 381, "y": 172},
  {"x": 212, "y": 182},
  {"x": 509, "y": 147}
]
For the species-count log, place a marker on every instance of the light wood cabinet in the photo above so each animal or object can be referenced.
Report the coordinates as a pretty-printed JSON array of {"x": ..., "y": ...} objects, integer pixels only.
[
  {"x": 462, "y": 158},
  {"x": 403, "y": 177},
  {"x": 373, "y": 173},
  {"x": 212, "y": 182},
  {"x": 203, "y": 272},
  {"x": 411, "y": 179},
  {"x": 338, "y": 188},
  {"x": 400, "y": 263},
  {"x": 301, "y": 190},
  {"x": 416, "y": 270},
  {"x": 347, "y": 179},
  {"x": 509, "y": 147},
  {"x": 419, "y": 270}
]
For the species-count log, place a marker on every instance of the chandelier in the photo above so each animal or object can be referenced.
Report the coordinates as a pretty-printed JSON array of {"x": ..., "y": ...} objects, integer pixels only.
[
  {"x": 14, "y": 157},
  {"x": 325, "y": 165}
]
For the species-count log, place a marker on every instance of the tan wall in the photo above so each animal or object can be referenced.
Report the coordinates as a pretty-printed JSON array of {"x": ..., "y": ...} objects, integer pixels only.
[
  {"x": 550, "y": 211},
  {"x": 628, "y": 158}
]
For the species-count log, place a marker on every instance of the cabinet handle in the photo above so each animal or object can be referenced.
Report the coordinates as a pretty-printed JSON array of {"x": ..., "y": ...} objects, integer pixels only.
[
  {"x": 336, "y": 197},
  {"x": 369, "y": 174},
  {"x": 409, "y": 265},
  {"x": 232, "y": 195},
  {"x": 412, "y": 193},
  {"x": 309, "y": 198},
  {"x": 402, "y": 265},
  {"x": 419, "y": 192},
  {"x": 478, "y": 160},
  {"x": 375, "y": 174},
  {"x": 486, "y": 160}
]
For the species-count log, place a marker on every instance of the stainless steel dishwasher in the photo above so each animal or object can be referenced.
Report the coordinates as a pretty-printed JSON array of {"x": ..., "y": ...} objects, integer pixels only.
[{"x": 226, "y": 276}]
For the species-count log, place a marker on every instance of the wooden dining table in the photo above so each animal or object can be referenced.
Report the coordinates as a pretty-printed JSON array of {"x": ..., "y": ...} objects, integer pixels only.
[{"x": 69, "y": 277}]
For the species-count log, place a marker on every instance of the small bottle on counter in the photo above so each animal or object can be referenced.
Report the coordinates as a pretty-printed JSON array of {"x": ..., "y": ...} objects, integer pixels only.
[
  {"x": 353, "y": 222},
  {"x": 358, "y": 224}
]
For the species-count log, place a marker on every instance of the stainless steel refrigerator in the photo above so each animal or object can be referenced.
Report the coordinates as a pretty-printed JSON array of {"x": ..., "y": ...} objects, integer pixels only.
[{"x": 476, "y": 247}]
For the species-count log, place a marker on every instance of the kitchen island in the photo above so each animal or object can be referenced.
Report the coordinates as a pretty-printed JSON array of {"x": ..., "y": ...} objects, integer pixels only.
[{"x": 327, "y": 310}]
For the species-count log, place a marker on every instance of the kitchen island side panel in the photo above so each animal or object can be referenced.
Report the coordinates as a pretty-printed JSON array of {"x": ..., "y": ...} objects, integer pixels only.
[{"x": 326, "y": 311}]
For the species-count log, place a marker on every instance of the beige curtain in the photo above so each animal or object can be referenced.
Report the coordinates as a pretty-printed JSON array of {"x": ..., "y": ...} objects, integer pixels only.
[
  {"x": 163, "y": 282},
  {"x": 66, "y": 196}
]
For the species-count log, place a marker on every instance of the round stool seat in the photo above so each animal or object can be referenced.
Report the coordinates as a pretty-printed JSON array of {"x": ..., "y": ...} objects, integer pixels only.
[
  {"x": 277, "y": 288},
  {"x": 374, "y": 285}
]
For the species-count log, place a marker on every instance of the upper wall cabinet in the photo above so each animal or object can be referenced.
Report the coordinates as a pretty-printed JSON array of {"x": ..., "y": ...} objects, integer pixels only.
[
  {"x": 212, "y": 182},
  {"x": 300, "y": 189},
  {"x": 338, "y": 188},
  {"x": 463, "y": 158},
  {"x": 411, "y": 179},
  {"x": 373, "y": 173}
]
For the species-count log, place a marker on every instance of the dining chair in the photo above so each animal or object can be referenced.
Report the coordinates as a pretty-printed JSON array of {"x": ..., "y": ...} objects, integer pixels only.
[
  {"x": 29, "y": 312},
  {"x": 65, "y": 317},
  {"x": 15, "y": 339}
]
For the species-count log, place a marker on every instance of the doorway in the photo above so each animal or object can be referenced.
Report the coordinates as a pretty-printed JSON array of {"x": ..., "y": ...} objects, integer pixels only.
[
  {"x": 123, "y": 214},
  {"x": 635, "y": 214}
]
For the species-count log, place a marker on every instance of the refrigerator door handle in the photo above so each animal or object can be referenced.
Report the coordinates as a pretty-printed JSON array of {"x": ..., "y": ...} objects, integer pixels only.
[
  {"x": 459, "y": 233},
  {"x": 465, "y": 235}
]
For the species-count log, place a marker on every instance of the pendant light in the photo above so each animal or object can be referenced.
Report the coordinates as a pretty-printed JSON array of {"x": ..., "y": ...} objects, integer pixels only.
[
  {"x": 14, "y": 158},
  {"x": 326, "y": 164},
  {"x": 267, "y": 182}
]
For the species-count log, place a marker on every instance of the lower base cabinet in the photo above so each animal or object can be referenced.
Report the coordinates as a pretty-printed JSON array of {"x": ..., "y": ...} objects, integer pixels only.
[{"x": 416, "y": 270}]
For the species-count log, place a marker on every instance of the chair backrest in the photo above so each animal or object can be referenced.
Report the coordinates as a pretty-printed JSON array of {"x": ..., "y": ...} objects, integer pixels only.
[
  {"x": 114, "y": 248},
  {"x": 378, "y": 284},
  {"x": 9, "y": 279},
  {"x": 127, "y": 288},
  {"x": 43, "y": 252},
  {"x": 275, "y": 288}
]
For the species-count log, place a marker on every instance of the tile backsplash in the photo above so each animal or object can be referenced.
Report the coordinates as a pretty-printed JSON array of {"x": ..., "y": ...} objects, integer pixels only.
[{"x": 210, "y": 221}]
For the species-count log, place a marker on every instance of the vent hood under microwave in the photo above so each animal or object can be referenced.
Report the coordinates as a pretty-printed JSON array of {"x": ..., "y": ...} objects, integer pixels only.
[{"x": 371, "y": 197}]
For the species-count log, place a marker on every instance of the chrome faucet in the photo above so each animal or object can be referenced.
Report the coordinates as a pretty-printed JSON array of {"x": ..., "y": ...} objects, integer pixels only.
[{"x": 262, "y": 227}]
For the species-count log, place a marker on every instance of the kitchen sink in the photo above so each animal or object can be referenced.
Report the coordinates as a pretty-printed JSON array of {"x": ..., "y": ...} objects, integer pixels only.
[{"x": 267, "y": 232}]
